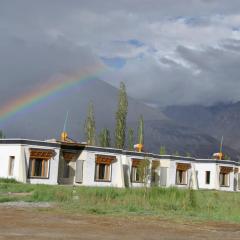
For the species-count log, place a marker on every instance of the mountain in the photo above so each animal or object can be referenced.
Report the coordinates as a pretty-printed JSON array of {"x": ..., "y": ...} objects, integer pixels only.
[
  {"x": 181, "y": 139},
  {"x": 218, "y": 120},
  {"x": 46, "y": 119}
]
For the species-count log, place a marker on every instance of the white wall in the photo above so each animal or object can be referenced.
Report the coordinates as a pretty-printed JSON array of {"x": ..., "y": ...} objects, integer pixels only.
[
  {"x": 6, "y": 151},
  {"x": 52, "y": 168},
  {"x": 201, "y": 169},
  {"x": 120, "y": 169},
  {"x": 89, "y": 170},
  {"x": 172, "y": 173},
  {"x": 214, "y": 168}
]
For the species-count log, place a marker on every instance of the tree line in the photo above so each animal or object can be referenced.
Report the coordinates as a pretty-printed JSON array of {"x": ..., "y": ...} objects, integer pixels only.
[{"x": 121, "y": 132}]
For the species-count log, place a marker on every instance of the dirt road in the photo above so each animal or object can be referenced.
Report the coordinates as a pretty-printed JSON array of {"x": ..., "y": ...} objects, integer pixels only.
[{"x": 21, "y": 222}]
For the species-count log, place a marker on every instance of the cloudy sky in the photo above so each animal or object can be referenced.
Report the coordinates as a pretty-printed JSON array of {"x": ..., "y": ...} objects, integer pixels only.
[{"x": 166, "y": 51}]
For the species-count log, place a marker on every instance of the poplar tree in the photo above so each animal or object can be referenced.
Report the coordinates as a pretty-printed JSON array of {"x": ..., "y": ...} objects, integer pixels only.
[
  {"x": 104, "y": 138},
  {"x": 141, "y": 130},
  {"x": 130, "y": 139},
  {"x": 89, "y": 127},
  {"x": 162, "y": 150},
  {"x": 2, "y": 134},
  {"x": 121, "y": 116},
  {"x": 176, "y": 153}
]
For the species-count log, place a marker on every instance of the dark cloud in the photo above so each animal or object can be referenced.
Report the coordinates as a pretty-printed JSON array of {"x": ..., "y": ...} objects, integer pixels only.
[
  {"x": 167, "y": 51},
  {"x": 206, "y": 77},
  {"x": 24, "y": 66}
]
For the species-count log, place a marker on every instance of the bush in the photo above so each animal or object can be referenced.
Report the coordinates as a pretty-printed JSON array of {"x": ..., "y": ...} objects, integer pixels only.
[{"x": 8, "y": 180}]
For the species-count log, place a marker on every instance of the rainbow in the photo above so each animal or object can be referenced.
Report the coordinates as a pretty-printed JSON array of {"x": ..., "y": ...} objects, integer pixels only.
[{"x": 43, "y": 92}]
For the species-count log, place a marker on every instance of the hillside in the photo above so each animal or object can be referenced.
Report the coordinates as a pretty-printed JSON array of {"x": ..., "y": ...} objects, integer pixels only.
[
  {"x": 217, "y": 121},
  {"x": 181, "y": 139},
  {"x": 46, "y": 121}
]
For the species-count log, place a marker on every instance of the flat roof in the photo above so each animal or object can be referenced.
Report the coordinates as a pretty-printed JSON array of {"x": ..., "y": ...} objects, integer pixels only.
[
  {"x": 81, "y": 146},
  {"x": 28, "y": 142},
  {"x": 47, "y": 143}
]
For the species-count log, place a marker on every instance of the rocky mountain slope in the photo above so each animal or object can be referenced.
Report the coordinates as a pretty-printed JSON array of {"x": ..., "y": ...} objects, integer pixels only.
[
  {"x": 218, "y": 120},
  {"x": 45, "y": 121}
]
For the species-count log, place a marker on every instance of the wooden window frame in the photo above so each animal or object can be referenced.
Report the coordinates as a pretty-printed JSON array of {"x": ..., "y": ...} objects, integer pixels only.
[
  {"x": 31, "y": 173},
  {"x": 225, "y": 171},
  {"x": 134, "y": 176},
  {"x": 134, "y": 167},
  {"x": 186, "y": 177},
  {"x": 224, "y": 177},
  {"x": 109, "y": 169},
  {"x": 106, "y": 161},
  {"x": 44, "y": 155}
]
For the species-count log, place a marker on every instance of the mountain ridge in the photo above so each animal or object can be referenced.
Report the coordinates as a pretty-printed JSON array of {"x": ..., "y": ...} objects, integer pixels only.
[
  {"x": 217, "y": 120},
  {"x": 45, "y": 121}
]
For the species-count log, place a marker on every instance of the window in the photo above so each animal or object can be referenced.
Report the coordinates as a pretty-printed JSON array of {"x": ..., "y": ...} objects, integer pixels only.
[
  {"x": 102, "y": 172},
  {"x": 224, "y": 179},
  {"x": 224, "y": 176},
  {"x": 139, "y": 171},
  {"x": 182, "y": 173},
  {"x": 103, "y": 168},
  {"x": 135, "y": 174},
  {"x": 39, "y": 162},
  {"x": 39, "y": 168},
  {"x": 181, "y": 177},
  {"x": 11, "y": 165},
  {"x": 207, "y": 177}
]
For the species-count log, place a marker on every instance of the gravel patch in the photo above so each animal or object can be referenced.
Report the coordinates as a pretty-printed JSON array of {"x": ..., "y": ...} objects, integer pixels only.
[{"x": 22, "y": 204}]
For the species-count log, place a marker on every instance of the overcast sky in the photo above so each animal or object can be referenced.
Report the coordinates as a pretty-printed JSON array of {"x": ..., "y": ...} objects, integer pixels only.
[{"x": 166, "y": 51}]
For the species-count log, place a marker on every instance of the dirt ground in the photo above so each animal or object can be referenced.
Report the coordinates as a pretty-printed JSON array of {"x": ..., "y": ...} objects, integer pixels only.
[{"x": 31, "y": 222}]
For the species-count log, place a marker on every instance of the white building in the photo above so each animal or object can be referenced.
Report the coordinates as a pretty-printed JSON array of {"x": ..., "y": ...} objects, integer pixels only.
[
  {"x": 29, "y": 161},
  {"x": 46, "y": 162}
]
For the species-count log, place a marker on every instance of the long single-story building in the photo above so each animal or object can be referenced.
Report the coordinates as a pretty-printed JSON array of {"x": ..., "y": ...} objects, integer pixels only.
[{"x": 56, "y": 162}]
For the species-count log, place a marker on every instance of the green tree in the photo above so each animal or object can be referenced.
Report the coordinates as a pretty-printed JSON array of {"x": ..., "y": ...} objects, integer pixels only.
[
  {"x": 176, "y": 153},
  {"x": 188, "y": 154},
  {"x": 130, "y": 139},
  {"x": 2, "y": 134},
  {"x": 89, "y": 127},
  {"x": 143, "y": 168},
  {"x": 141, "y": 130},
  {"x": 226, "y": 157},
  {"x": 144, "y": 173},
  {"x": 104, "y": 138},
  {"x": 121, "y": 116},
  {"x": 162, "y": 150}
]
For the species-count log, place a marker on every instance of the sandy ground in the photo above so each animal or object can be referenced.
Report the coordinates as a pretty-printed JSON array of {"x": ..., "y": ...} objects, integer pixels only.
[{"x": 19, "y": 221}]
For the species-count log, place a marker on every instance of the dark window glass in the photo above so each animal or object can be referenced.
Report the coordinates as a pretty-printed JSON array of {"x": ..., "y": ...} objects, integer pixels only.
[{"x": 207, "y": 177}]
